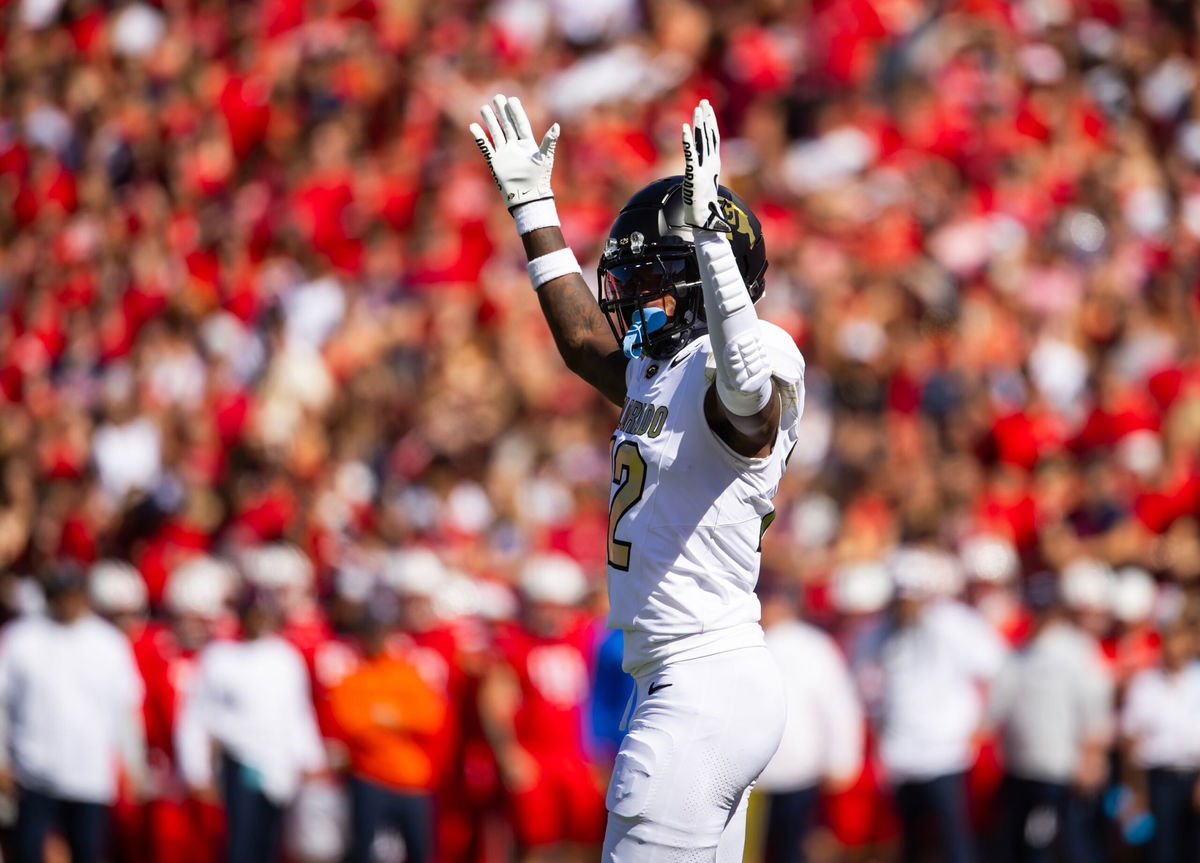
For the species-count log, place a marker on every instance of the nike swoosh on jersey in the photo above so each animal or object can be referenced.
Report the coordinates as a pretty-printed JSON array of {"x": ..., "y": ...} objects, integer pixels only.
[
  {"x": 687, "y": 352},
  {"x": 655, "y": 687}
]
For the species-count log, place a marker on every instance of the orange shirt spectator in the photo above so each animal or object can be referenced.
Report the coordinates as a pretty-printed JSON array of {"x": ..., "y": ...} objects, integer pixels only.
[{"x": 388, "y": 715}]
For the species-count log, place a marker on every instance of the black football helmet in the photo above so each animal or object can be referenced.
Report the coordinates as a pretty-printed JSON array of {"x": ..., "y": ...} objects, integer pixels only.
[{"x": 650, "y": 254}]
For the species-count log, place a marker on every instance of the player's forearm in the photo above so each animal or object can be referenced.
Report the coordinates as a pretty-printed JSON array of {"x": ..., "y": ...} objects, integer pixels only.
[
  {"x": 580, "y": 331},
  {"x": 521, "y": 169},
  {"x": 743, "y": 372},
  {"x": 743, "y": 406},
  {"x": 194, "y": 746}
]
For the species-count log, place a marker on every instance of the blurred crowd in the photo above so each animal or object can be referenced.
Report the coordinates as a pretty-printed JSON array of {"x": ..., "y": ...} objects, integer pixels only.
[{"x": 274, "y": 382}]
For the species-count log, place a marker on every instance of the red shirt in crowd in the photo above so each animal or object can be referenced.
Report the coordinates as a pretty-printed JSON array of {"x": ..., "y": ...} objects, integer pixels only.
[{"x": 553, "y": 673}]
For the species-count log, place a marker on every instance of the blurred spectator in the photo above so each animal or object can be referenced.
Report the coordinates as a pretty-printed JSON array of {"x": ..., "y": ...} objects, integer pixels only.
[
  {"x": 863, "y": 817},
  {"x": 71, "y": 696},
  {"x": 532, "y": 707},
  {"x": 862, "y": 592},
  {"x": 1160, "y": 723},
  {"x": 1087, "y": 587},
  {"x": 117, "y": 593},
  {"x": 1052, "y": 704},
  {"x": 250, "y": 712},
  {"x": 446, "y": 660},
  {"x": 933, "y": 652},
  {"x": 127, "y": 446},
  {"x": 822, "y": 746},
  {"x": 178, "y": 825},
  {"x": 1135, "y": 643},
  {"x": 316, "y": 825},
  {"x": 388, "y": 717},
  {"x": 992, "y": 569}
]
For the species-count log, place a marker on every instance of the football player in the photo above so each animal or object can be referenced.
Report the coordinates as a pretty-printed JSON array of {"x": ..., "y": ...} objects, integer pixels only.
[
  {"x": 710, "y": 398},
  {"x": 178, "y": 826},
  {"x": 531, "y": 702}
]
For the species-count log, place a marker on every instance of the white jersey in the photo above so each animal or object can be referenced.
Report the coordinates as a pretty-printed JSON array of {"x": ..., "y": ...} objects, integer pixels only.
[{"x": 687, "y": 513}]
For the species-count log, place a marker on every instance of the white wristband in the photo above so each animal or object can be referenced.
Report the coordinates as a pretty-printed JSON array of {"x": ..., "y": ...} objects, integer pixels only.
[
  {"x": 534, "y": 215},
  {"x": 551, "y": 266}
]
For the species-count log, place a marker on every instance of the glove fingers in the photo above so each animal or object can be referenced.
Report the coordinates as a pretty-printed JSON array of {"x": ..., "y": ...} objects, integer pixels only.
[
  {"x": 710, "y": 118},
  {"x": 689, "y": 141},
  {"x": 500, "y": 102},
  {"x": 493, "y": 125},
  {"x": 549, "y": 141},
  {"x": 520, "y": 121},
  {"x": 706, "y": 109},
  {"x": 481, "y": 140}
]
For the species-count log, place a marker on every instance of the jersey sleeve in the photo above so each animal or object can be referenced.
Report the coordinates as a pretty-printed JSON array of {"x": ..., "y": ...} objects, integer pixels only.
[
  {"x": 305, "y": 736},
  {"x": 7, "y": 662},
  {"x": 193, "y": 739},
  {"x": 842, "y": 713},
  {"x": 980, "y": 652},
  {"x": 1002, "y": 694},
  {"x": 787, "y": 363},
  {"x": 1095, "y": 698},
  {"x": 787, "y": 367}
]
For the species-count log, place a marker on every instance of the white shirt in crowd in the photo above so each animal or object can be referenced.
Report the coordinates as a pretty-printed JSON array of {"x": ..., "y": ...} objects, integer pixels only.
[
  {"x": 128, "y": 456},
  {"x": 1052, "y": 698},
  {"x": 251, "y": 700},
  {"x": 931, "y": 675},
  {"x": 823, "y": 737},
  {"x": 1161, "y": 717},
  {"x": 71, "y": 695}
]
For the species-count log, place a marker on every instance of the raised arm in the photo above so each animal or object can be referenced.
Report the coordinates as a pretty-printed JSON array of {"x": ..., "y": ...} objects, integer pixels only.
[
  {"x": 521, "y": 170},
  {"x": 742, "y": 407}
]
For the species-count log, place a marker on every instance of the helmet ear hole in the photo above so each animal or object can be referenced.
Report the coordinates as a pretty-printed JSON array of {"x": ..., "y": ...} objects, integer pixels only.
[{"x": 758, "y": 288}]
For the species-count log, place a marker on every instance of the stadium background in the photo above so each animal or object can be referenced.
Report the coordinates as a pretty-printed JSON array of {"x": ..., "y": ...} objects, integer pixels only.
[{"x": 257, "y": 288}]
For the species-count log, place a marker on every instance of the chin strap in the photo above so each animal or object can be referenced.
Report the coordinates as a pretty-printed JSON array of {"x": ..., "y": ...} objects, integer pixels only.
[
  {"x": 743, "y": 372},
  {"x": 643, "y": 323}
]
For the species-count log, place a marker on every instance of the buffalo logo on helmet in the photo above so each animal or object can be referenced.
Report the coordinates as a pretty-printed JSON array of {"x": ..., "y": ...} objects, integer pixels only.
[{"x": 737, "y": 218}]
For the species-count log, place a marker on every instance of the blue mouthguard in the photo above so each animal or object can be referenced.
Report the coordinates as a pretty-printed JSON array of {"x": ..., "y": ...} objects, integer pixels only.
[{"x": 644, "y": 322}]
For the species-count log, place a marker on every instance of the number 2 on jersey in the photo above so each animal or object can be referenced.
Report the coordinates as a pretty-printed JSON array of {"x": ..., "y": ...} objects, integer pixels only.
[{"x": 629, "y": 470}]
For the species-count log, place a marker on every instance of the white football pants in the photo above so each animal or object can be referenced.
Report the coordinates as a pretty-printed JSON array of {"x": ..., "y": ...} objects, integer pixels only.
[{"x": 702, "y": 731}]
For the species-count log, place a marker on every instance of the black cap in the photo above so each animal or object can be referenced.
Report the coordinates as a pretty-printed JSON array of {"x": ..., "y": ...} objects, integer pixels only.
[
  {"x": 255, "y": 597},
  {"x": 1042, "y": 592},
  {"x": 382, "y": 612},
  {"x": 64, "y": 577}
]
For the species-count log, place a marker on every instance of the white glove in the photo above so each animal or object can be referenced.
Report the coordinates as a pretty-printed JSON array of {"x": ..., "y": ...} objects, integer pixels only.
[
  {"x": 520, "y": 167},
  {"x": 702, "y": 171}
]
